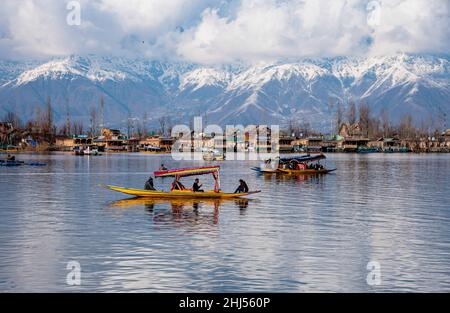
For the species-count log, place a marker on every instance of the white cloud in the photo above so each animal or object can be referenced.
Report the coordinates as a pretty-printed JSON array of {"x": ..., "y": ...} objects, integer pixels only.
[{"x": 216, "y": 31}]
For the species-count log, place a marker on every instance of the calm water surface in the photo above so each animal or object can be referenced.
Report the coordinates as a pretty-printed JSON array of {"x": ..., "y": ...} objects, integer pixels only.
[{"x": 299, "y": 235}]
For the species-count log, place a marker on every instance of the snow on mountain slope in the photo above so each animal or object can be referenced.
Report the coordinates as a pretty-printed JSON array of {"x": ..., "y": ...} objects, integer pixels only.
[{"x": 265, "y": 93}]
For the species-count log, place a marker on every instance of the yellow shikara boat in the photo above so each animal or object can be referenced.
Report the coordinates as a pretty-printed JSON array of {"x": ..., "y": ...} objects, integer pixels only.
[{"x": 181, "y": 192}]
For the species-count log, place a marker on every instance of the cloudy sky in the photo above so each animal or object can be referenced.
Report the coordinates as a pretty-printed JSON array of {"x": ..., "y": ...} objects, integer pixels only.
[{"x": 222, "y": 31}]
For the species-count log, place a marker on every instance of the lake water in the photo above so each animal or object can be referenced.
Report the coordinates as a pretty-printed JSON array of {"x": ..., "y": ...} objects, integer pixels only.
[{"x": 299, "y": 235}]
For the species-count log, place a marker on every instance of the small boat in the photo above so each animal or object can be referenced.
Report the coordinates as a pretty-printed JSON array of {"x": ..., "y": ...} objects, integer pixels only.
[
  {"x": 177, "y": 174},
  {"x": 77, "y": 150},
  {"x": 365, "y": 150},
  {"x": 296, "y": 165},
  {"x": 213, "y": 155},
  {"x": 9, "y": 163},
  {"x": 91, "y": 150},
  {"x": 36, "y": 164}
]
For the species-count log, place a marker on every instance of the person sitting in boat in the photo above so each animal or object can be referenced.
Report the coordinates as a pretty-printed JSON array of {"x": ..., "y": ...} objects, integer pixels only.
[
  {"x": 162, "y": 168},
  {"x": 197, "y": 186},
  {"x": 243, "y": 187},
  {"x": 149, "y": 184},
  {"x": 10, "y": 158},
  {"x": 177, "y": 185}
]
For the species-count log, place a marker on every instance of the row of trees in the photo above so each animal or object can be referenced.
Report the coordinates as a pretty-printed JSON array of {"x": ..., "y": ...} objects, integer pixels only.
[
  {"x": 371, "y": 125},
  {"x": 42, "y": 123},
  {"x": 381, "y": 125}
]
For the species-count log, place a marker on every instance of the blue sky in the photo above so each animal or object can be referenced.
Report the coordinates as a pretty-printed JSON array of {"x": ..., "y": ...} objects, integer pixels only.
[{"x": 224, "y": 31}]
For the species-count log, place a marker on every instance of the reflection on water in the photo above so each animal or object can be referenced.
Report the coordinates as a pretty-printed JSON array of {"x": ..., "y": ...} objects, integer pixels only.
[
  {"x": 302, "y": 233},
  {"x": 181, "y": 211}
]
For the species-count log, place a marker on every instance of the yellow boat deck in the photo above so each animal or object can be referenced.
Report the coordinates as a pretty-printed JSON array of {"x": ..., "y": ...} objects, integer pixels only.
[{"x": 179, "y": 193}]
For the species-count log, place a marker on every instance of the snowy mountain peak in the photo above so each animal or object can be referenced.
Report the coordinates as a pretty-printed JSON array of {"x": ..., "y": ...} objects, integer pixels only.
[
  {"x": 306, "y": 89},
  {"x": 202, "y": 77}
]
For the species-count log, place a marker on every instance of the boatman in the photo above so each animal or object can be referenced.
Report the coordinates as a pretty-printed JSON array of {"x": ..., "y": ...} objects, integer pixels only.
[
  {"x": 196, "y": 187},
  {"x": 149, "y": 184},
  {"x": 177, "y": 185},
  {"x": 243, "y": 187},
  {"x": 162, "y": 168}
]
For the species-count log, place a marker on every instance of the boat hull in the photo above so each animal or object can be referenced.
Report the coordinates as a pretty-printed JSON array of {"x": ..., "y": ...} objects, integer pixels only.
[
  {"x": 292, "y": 172},
  {"x": 264, "y": 171},
  {"x": 10, "y": 164},
  {"x": 178, "y": 194},
  {"x": 305, "y": 172}
]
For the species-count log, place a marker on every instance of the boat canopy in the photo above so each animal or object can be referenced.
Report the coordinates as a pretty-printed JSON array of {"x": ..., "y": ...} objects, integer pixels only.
[
  {"x": 303, "y": 159},
  {"x": 185, "y": 172},
  {"x": 195, "y": 171}
]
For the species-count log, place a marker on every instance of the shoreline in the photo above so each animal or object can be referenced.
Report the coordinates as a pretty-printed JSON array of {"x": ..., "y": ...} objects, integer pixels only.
[{"x": 30, "y": 152}]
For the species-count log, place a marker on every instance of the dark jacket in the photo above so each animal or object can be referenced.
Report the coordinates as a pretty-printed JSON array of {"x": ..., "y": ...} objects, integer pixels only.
[
  {"x": 149, "y": 185},
  {"x": 196, "y": 187},
  {"x": 243, "y": 188}
]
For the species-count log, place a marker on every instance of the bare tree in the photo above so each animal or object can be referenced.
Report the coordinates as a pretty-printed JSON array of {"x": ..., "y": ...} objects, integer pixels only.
[
  {"x": 48, "y": 127},
  {"x": 130, "y": 125},
  {"x": 13, "y": 119},
  {"x": 364, "y": 118},
  {"x": 163, "y": 125},
  {"x": 48, "y": 116},
  {"x": 293, "y": 127},
  {"x": 406, "y": 128},
  {"x": 93, "y": 122},
  {"x": 37, "y": 125},
  {"x": 424, "y": 127},
  {"x": 67, "y": 127},
  {"x": 339, "y": 117},
  {"x": 374, "y": 128},
  {"x": 78, "y": 128},
  {"x": 305, "y": 128},
  {"x": 102, "y": 112},
  {"x": 170, "y": 125},
  {"x": 351, "y": 113},
  {"x": 385, "y": 122},
  {"x": 144, "y": 124}
]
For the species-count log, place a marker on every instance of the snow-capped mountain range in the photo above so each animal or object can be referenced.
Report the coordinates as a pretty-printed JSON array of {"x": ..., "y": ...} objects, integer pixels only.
[{"x": 306, "y": 90}]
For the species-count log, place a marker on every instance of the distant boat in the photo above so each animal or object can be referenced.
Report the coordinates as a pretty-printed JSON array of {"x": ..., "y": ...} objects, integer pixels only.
[
  {"x": 302, "y": 165},
  {"x": 9, "y": 163},
  {"x": 212, "y": 155},
  {"x": 368, "y": 149},
  {"x": 396, "y": 150},
  {"x": 90, "y": 150}
]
